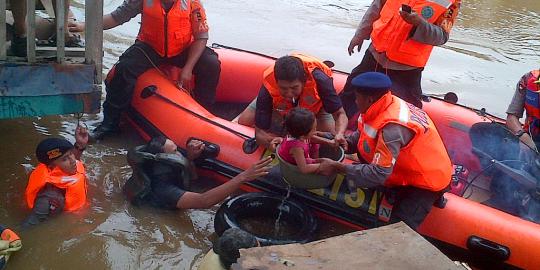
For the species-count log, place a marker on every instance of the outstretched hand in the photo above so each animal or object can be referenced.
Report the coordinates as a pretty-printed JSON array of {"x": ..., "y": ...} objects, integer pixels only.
[
  {"x": 81, "y": 136},
  {"x": 274, "y": 143},
  {"x": 258, "y": 169},
  {"x": 194, "y": 149},
  {"x": 339, "y": 140},
  {"x": 326, "y": 166},
  {"x": 356, "y": 41}
]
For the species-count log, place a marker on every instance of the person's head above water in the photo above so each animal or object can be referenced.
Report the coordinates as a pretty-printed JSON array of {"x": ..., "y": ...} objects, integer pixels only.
[
  {"x": 300, "y": 123},
  {"x": 56, "y": 152},
  {"x": 370, "y": 87},
  {"x": 160, "y": 144},
  {"x": 229, "y": 244},
  {"x": 290, "y": 76}
]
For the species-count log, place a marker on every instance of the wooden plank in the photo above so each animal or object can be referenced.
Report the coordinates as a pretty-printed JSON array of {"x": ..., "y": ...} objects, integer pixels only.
[
  {"x": 30, "y": 30},
  {"x": 47, "y": 79},
  {"x": 44, "y": 57},
  {"x": 3, "y": 42},
  {"x": 395, "y": 246},
  {"x": 94, "y": 36},
  {"x": 47, "y": 52},
  {"x": 60, "y": 30}
]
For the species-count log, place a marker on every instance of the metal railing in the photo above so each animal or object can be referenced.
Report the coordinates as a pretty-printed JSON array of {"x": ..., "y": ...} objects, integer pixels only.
[{"x": 93, "y": 50}]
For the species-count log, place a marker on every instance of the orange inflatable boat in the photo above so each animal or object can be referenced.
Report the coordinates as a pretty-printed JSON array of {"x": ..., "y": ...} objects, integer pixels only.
[{"x": 465, "y": 226}]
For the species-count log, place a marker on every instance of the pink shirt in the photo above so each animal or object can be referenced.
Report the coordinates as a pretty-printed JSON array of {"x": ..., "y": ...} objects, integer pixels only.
[{"x": 289, "y": 143}]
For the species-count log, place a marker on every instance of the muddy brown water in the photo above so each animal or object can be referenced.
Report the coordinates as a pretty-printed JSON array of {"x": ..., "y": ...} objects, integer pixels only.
[{"x": 491, "y": 46}]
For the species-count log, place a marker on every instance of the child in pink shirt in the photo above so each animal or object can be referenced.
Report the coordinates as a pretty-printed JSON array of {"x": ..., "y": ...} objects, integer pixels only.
[{"x": 298, "y": 147}]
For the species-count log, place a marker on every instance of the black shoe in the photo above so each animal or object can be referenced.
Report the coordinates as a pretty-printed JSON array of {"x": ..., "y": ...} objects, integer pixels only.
[
  {"x": 104, "y": 130},
  {"x": 18, "y": 46}
]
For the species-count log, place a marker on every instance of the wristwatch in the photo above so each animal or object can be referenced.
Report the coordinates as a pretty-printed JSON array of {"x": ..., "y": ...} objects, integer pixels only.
[{"x": 520, "y": 133}]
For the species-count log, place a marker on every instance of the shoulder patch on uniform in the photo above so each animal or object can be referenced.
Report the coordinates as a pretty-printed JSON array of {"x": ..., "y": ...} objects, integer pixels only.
[
  {"x": 367, "y": 149},
  {"x": 427, "y": 12}
]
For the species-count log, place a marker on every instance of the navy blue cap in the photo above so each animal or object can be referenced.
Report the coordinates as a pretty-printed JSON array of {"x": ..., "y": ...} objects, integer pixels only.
[
  {"x": 52, "y": 148},
  {"x": 372, "y": 82}
]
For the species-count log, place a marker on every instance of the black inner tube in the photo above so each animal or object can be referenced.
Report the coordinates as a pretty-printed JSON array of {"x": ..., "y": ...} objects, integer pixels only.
[{"x": 256, "y": 213}]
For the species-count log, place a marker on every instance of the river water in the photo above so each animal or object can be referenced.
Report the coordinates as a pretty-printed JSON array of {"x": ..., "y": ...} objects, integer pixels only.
[{"x": 492, "y": 44}]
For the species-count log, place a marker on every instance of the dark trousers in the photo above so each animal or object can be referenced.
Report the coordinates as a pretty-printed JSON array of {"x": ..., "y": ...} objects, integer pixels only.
[
  {"x": 405, "y": 83},
  {"x": 134, "y": 62},
  {"x": 412, "y": 205}
]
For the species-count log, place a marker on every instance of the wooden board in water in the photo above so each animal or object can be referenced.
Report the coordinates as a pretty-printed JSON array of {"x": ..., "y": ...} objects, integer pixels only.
[{"x": 394, "y": 246}]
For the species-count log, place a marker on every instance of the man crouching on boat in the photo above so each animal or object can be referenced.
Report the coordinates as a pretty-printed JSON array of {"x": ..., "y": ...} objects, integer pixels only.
[
  {"x": 295, "y": 81},
  {"x": 400, "y": 149},
  {"x": 173, "y": 32},
  {"x": 161, "y": 176}
]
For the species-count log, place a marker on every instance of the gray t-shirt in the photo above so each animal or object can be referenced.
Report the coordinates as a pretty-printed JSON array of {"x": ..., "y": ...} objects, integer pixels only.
[{"x": 370, "y": 175}]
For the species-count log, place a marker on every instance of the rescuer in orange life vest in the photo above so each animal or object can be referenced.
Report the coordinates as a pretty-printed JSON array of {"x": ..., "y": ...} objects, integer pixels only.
[
  {"x": 58, "y": 183},
  {"x": 526, "y": 98},
  {"x": 400, "y": 149},
  {"x": 402, "y": 38},
  {"x": 173, "y": 32},
  {"x": 295, "y": 81}
]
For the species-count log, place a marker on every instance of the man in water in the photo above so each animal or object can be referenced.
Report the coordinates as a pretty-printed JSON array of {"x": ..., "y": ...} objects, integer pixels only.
[
  {"x": 58, "y": 183},
  {"x": 169, "y": 170}
]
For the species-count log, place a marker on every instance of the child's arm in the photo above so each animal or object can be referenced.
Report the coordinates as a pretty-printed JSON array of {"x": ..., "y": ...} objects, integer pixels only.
[
  {"x": 321, "y": 140},
  {"x": 298, "y": 155}
]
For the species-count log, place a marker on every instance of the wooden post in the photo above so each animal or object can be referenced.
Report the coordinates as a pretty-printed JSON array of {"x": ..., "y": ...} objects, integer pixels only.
[
  {"x": 3, "y": 41},
  {"x": 30, "y": 30},
  {"x": 94, "y": 36},
  {"x": 60, "y": 30}
]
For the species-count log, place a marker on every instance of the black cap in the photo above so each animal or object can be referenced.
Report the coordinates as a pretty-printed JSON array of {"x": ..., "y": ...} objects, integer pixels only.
[
  {"x": 52, "y": 148},
  {"x": 229, "y": 244},
  {"x": 370, "y": 82}
]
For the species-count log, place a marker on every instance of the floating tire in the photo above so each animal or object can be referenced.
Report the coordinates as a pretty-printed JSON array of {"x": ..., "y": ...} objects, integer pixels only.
[{"x": 263, "y": 207}]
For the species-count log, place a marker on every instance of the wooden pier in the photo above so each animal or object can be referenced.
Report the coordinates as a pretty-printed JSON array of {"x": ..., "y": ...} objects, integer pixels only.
[
  {"x": 52, "y": 80},
  {"x": 395, "y": 246}
]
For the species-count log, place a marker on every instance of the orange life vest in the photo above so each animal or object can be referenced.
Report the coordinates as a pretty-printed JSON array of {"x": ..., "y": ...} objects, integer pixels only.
[
  {"x": 392, "y": 35},
  {"x": 74, "y": 185},
  {"x": 169, "y": 33},
  {"x": 424, "y": 162},
  {"x": 309, "y": 98},
  {"x": 9, "y": 235},
  {"x": 532, "y": 103}
]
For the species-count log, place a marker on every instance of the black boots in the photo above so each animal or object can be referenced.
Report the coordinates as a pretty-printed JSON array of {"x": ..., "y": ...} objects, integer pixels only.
[{"x": 109, "y": 126}]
